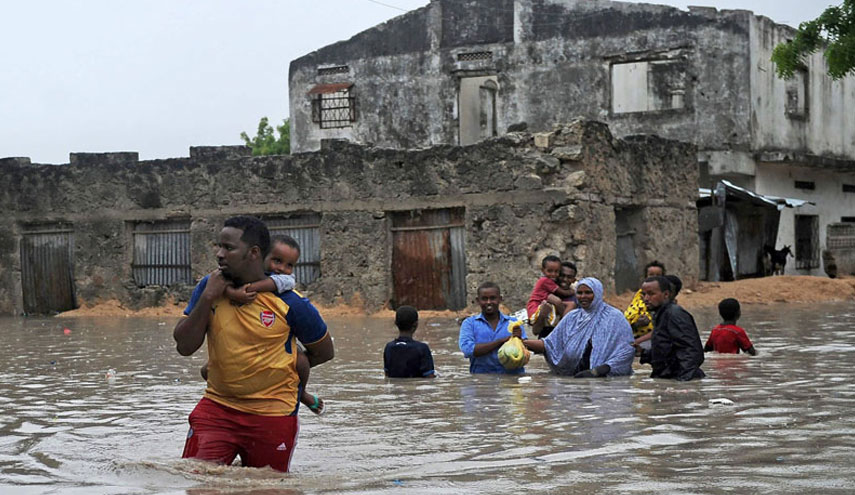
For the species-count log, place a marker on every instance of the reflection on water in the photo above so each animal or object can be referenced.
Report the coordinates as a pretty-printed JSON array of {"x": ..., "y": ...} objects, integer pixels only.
[{"x": 67, "y": 427}]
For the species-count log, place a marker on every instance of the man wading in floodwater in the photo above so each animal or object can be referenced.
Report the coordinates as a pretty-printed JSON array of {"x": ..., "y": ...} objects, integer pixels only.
[
  {"x": 250, "y": 405},
  {"x": 676, "y": 350}
]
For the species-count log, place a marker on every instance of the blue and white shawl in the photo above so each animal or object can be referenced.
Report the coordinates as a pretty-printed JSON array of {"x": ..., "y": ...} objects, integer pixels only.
[{"x": 603, "y": 325}]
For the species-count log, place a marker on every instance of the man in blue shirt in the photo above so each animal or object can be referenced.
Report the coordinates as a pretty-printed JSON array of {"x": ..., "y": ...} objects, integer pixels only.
[{"x": 483, "y": 334}]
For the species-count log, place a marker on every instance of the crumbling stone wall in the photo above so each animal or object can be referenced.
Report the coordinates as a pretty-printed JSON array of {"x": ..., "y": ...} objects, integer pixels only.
[{"x": 524, "y": 196}]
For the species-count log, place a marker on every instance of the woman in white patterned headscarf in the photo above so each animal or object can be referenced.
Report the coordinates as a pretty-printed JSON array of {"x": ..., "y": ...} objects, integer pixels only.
[{"x": 592, "y": 340}]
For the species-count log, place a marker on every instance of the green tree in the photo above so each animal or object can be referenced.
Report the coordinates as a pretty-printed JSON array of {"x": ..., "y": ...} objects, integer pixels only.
[
  {"x": 834, "y": 29},
  {"x": 265, "y": 143}
]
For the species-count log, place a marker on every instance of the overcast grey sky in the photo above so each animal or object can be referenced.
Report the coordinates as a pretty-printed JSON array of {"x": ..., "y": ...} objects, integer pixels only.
[{"x": 159, "y": 76}]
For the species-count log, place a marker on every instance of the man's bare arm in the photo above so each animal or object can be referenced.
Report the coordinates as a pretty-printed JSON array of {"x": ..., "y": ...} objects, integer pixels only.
[
  {"x": 488, "y": 347},
  {"x": 189, "y": 333}
]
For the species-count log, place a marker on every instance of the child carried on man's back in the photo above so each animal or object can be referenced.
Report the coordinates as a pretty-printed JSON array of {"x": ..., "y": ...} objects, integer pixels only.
[
  {"x": 280, "y": 263},
  {"x": 728, "y": 338}
]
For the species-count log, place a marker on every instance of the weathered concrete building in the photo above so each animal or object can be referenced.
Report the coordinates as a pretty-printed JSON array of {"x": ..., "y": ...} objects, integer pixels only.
[
  {"x": 457, "y": 71},
  {"x": 377, "y": 226}
]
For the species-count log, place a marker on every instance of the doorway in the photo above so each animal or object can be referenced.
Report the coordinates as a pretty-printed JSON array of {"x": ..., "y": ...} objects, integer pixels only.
[
  {"x": 428, "y": 259},
  {"x": 628, "y": 236},
  {"x": 477, "y": 103},
  {"x": 47, "y": 279}
]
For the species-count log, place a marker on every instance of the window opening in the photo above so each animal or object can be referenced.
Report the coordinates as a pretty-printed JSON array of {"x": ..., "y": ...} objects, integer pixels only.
[
  {"x": 337, "y": 69},
  {"x": 333, "y": 106},
  {"x": 796, "y": 106},
  {"x": 162, "y": 253},
  {"x": 648, "y": 85},
  {"x": 470, "y": 56}
]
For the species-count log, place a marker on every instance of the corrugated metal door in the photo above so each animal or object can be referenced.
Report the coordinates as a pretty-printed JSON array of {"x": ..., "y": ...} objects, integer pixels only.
[
  {"x": 428, "y": 259},
  {"x": 162, "y": 253},
  {"x": 305, "y": 229},
  {"x": 46, "y": 269},
  {"x": 626, "y": 261}
]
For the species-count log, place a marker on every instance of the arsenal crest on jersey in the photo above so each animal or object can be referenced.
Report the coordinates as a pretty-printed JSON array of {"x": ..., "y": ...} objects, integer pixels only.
[{"x": 267, "y": 318}]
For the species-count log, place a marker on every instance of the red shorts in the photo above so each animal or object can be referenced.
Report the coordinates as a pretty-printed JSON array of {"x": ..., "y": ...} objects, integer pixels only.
[{"x": 219, "y": 433}]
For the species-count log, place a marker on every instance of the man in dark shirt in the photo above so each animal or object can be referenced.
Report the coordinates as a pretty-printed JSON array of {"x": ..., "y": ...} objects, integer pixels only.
[
  {"x": 405, "y": 357},
  {"x": 676, "y": 351}
]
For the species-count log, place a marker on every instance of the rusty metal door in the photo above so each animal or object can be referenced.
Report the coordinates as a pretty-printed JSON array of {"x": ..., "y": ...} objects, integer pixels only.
[
  {"x": 46, "y": 269},
  {"x": 428, "y": 259}
]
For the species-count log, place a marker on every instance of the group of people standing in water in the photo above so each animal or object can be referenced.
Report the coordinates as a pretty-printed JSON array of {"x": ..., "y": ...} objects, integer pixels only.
[{"x": 585, "y": 337}]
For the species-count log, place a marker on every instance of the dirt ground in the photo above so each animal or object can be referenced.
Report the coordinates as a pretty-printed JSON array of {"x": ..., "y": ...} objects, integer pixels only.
[{"x": 768, "y": 290}]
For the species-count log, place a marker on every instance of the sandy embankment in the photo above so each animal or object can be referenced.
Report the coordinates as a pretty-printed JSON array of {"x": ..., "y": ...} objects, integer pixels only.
[{"x": 768, "y": 290}]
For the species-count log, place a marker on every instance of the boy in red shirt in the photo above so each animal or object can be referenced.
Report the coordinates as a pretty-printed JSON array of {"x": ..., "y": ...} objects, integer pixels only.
[
  {"x": 728, "y": 338},
  {"x": 543, "y": 315}
]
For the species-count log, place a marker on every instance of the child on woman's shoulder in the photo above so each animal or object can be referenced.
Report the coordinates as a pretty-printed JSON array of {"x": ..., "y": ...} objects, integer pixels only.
[
  {"x": 728, "y": 338},
  {"x": 405, "y": 357}
]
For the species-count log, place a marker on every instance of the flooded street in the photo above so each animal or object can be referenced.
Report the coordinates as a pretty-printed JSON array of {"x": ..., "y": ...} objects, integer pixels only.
[{"x": 68, "y": 427}]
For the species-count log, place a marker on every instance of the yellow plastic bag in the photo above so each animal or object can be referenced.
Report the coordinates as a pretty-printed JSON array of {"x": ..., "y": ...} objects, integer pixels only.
[{"x": 513, "y": 354}]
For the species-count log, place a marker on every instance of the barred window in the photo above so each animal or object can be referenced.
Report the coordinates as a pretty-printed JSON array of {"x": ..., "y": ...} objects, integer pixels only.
[
  {"x": 162, "y": 253},
  {"x": 333, "y": 105},
  {"x": 470, "y": 56},
  {"x": 336, "y": 69},
  {"x": 305, "y": 229}
]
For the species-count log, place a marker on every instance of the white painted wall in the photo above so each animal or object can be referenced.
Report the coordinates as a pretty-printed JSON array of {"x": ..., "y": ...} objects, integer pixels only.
[
  {"x": 776, "y": 179},
  {"x": 829, "y": 128}
]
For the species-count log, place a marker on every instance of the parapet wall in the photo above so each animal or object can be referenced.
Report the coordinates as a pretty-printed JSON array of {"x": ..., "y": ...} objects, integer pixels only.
[{"x": 522, "y": 196}]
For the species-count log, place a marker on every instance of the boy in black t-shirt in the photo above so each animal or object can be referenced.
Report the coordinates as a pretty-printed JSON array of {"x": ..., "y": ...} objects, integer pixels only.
[{"x": 405, "y": 357}]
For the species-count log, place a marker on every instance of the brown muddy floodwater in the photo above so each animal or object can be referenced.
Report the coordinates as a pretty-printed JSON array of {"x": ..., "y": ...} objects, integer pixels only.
[{"x": 66, "y": 428}]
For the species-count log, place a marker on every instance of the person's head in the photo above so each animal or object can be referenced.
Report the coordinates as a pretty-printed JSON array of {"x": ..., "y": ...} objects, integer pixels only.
[
  {"x": 489, "y": 297},
  {"x": 550, "y": 266},
  {"x": 407, "y": 319},
  {"x": 676, "y": 285},
  {"x": 242, "y": 245},
  {"x": 589, "y": 293},
  {"x": 654, "y": 269},
  {"x": 284, "y": 253},
  {"x": 568, "y": 274},
  {"x": 729, "y": 309},
  {"x": 656, "y": 292}
]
